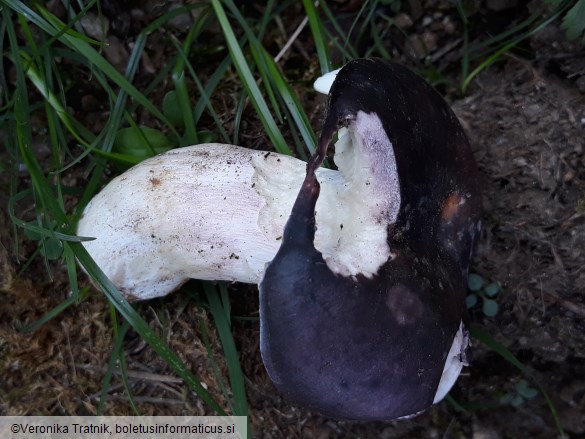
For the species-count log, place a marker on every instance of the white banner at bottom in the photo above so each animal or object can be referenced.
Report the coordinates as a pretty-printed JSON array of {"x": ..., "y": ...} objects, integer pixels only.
[{"x": 123, "y": 427}]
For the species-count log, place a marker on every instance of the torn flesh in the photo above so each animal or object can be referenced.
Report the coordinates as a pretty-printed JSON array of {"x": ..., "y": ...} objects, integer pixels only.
[
  {"x": 217, "y": 212},
  {"x": 366, "y": 202}
]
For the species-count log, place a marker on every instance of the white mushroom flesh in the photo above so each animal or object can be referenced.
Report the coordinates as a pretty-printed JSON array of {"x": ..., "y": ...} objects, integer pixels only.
[
  {"x": 352, "y": 225},
  {"x": 217, "y": 212}
]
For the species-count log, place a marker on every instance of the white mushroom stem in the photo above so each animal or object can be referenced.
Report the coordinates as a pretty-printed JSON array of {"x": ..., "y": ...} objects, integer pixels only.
[{"x": 217, "y": 212}]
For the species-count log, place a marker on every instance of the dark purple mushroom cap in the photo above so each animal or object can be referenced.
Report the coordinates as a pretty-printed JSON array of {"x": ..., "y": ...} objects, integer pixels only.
[{"x": 375, "y": 348}]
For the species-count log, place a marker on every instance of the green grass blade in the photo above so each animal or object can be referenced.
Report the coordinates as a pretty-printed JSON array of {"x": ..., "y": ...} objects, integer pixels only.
[
  {"x": 501, "y": 350},
  {"x": 179, "y": 79},
  {"x": 211, "y": 355},
  {"x": 365, "y": 7},
  {"x": 54, "y": 312},
  {"x": 292, "y": 102},
  {"x": 239, "y": 114},
  {"x": 205, "y": 101},
  {"x": 71, "y": 264},
  {"x": 484, "y": 65},
  {"x": 318, "y": 37},
  {"x": 36, "y": 79},
  {"x": 123, "y": 368},
  {"x": 115, "y": 119},
  {"x": 256, "y": 50},
  {"x": 497, "y": 46},
  {"x": 211, "y": 85},
  {"x": 348, "y": 50},
  {"x": 119, "y": 334},
  {"x": 249, "y": 82},
  {"x": 220, "y": 311},
  {"x": 379, "y": 44}
]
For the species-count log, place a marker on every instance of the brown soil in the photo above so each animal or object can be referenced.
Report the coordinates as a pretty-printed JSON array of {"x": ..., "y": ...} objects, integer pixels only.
[{"x": 526, "y": 122}]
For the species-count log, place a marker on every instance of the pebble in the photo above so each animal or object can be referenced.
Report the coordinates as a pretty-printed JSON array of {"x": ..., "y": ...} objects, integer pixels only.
[
  {"x": 448, "y": 25},
  {"x": 483, "y": 432},
  {"x": 95, "y": 26},
  {"x": 181, "y": 22},
  {"x": 424, "y": 44},
  {"x": 403, "y": 21},
  {"x": 116, "y": 53},
  {"x": 532, "y": 112}
]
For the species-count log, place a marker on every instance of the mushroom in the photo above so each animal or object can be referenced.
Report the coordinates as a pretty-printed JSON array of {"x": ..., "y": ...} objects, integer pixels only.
[
  {"x": 387, "y": 344},
  {"x": 362, "y": 272},
  {"x": 217, "y": 212}
]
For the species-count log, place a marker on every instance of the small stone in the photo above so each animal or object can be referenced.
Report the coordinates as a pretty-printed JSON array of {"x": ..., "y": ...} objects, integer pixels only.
[
  {"x": 568, "y": 176},
  {"x": 403, "y": 21},
  {"x": 56, "y": 8},
  {"x": 181, "y": 22},
  {"x": 147, "y": 64},
  {"x": 483, "y": 432},
  {"x": 448, "y": 25},
  {"x": 429, "y": 40},
  {"x": 137, "y": 14},
  {"x": 95, "y": 26},
  {"x": 422, "y": 45},
  {"x": 116, "y": 53},
  {"x": 555, "y": 116},
  {"x": 532, "y": 112}
]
